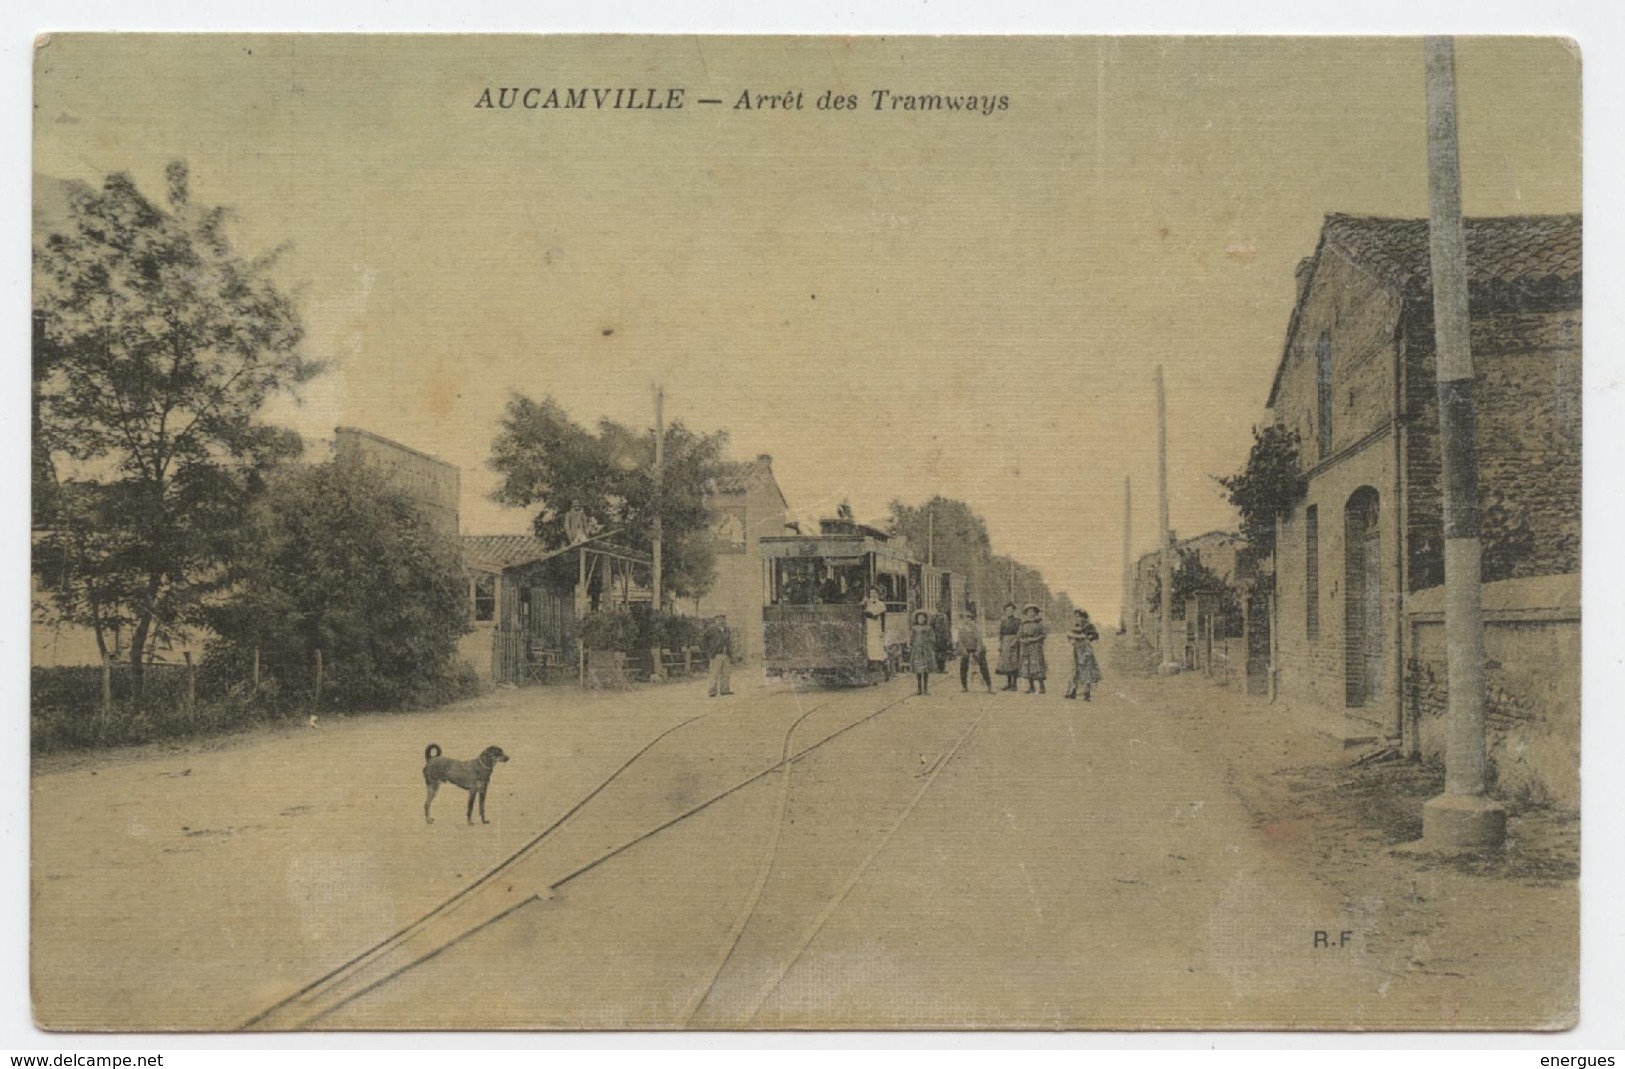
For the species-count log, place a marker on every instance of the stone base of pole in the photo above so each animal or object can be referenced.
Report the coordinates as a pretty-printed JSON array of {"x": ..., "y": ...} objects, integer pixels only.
[
  {"x": 1168, "y": 668},
  {"x": 1461, "y": 822}
]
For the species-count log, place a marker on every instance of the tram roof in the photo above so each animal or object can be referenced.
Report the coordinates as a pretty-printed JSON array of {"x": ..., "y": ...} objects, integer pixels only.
[{"x": 828, "y": 545}]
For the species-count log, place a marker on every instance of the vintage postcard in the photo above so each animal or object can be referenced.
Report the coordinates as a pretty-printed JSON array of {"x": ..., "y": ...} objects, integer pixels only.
[{"x": 774, "y": 533}]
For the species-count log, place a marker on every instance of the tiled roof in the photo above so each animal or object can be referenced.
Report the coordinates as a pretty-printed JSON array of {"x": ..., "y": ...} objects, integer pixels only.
[
  {"x": 1513, "y": 262},
  {"x": 503, "y": 551},
  {"x": 1527, "y": 251},
  {"x": 736, "y": 478},
  {"x": 508, "y": 551}
]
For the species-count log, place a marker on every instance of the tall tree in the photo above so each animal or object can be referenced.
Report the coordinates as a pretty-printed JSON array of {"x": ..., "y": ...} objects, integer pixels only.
[
  {"x": 156, "y": 346},
  {"x": 550, "y": 462},
  {"x": 954, "y": 533}
]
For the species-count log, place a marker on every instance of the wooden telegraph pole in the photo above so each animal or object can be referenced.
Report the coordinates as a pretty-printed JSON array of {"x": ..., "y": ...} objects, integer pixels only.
[
  {"x": 660, "y": 466},
  {"x": 660, "y": 473},
  {"x": 1165, "y": 565},
  {"x": 1463, "y": 816},
  {"x": 1125, "y": 617}
]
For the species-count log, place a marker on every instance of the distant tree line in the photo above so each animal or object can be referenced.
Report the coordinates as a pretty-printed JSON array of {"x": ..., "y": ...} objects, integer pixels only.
[{"x": 956, "y": 538}]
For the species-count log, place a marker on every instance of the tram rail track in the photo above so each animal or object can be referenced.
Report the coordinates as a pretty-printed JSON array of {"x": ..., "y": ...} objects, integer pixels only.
[
  {"x": 337, "y": 988},
  {"x": 703, "y": 995}
]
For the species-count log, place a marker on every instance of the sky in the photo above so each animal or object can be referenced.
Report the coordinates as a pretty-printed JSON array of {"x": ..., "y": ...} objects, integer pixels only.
[{"x": 892, "y": 304}]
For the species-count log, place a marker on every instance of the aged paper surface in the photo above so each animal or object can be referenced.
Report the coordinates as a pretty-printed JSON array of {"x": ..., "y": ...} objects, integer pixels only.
[{"x": 910, "y": 314}]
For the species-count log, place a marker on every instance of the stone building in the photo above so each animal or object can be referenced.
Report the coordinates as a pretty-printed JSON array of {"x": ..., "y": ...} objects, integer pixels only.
[
  {"x": 434, "y": 485},
  {"x": 1218, "y": 551},
  {"x": 1359, "y": 560},
  {"x": 747, "y": 504}
]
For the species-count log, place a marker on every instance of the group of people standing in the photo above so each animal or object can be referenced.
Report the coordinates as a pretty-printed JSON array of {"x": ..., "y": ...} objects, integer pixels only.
[{"x": 1021, "y": 649}]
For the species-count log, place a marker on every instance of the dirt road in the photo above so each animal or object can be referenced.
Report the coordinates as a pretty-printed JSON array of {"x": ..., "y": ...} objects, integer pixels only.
[{"x": 955, "y": 860}]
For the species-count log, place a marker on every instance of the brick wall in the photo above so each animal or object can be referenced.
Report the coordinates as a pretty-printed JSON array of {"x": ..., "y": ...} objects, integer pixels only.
[
  {"x": 1313, "y": 670},
  {"x": 1527, "y": 397},
  {"x": 1359, "y": 317},
  {"x": 434, "y": 484}
]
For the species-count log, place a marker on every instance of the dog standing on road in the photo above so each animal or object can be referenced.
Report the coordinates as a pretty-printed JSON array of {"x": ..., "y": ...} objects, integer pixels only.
[{"x": 472, "y": 776}]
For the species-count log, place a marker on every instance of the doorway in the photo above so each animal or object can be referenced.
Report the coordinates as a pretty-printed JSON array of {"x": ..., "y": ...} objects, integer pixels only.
[{"x": 1362, "y": 609}]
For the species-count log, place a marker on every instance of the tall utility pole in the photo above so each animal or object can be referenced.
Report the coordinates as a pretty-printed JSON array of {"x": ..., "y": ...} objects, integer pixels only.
[
  {"x": 1464, "y": 815},
  {"x": 1165, "y": 565},
  {"x": 1125, "y": 613},
  {"x": 660, "y": 473}
]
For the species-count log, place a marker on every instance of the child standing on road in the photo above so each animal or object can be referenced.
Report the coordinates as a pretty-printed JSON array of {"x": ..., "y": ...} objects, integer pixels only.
[
  {"x": 922, "y": 655},
  {"x": 1031, "y": 638}
]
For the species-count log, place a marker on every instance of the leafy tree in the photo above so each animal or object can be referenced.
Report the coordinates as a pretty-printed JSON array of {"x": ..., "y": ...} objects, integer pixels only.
[
  {"x": 330, "y": 559},
  {"x": 156, "y": 346},
  {"x": 955, "y": 535},
  {"x": 1192, "y": 577},
  {"x": 1269, "y": 484},
  {"x": 549, "y": 461}
]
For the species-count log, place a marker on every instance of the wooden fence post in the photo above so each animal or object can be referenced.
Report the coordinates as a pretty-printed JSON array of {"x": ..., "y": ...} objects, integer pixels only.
[
  {"x": 191, "y": 681},
  {"x": 107, "y": 685},
  {"x": 256, "y": 669},
  {"x": 316, "y": 699}
]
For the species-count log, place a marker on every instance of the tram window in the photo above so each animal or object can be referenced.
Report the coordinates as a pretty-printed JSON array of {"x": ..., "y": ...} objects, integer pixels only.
[
  {"x": 795, "y": 582},
  {"x": 841, "y": 582},
  {"x": 890, "y": 587}
]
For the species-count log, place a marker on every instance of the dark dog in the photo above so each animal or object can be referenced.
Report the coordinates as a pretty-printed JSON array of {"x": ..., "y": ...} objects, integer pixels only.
[{"x": 472, "y": 776}]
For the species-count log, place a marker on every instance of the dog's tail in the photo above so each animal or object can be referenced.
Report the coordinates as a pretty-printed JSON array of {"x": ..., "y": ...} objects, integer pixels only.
[{"x": 431, "y": 752}]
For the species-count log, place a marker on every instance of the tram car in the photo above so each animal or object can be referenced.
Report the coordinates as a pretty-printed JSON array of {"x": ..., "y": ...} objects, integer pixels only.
[{"x": 813, "y": 590}]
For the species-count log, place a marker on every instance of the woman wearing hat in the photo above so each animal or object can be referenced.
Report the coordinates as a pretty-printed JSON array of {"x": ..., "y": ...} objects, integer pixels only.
[
  {"x": 1085, "y": 669},
  {"x": 1031, "y": 639},
  {"x": 1009, "y": 646},
  {"x": 922, "y": 656}
]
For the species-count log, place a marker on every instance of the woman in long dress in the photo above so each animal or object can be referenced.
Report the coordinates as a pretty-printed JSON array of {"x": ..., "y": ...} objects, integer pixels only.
[
  {"x": 874, "y": 632},
  {"x": 1031, "y": 637},
  {"x": 1009, "y": 646},
  {"x": 1085, "y": 668},
  {"x": 922, "y": 652}
]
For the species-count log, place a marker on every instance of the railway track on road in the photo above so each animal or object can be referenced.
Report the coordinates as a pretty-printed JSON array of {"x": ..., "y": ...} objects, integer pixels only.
[
  {"x": 704, "y": 1009},
  {"x": 505, "y": 888}
]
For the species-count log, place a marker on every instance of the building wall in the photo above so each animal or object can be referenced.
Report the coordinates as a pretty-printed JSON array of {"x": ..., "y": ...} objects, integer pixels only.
[
  {"x": 1217, "y": 551},
  {"x": 433, "y": 483},
  {"x": 743, "y": 518},
  {"x": 1359, "y": 318},
  {"x": 1527, "y": 401},
  {"x": 1313, "y": 669},
  {"x": 1532, "y": 685}
]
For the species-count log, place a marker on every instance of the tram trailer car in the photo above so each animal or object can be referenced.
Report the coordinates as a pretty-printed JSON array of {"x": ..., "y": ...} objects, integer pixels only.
[{"x": 813, "y": 591}]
